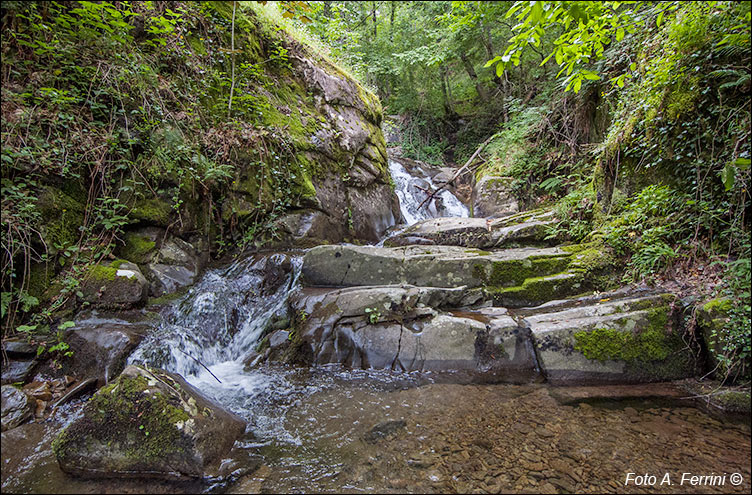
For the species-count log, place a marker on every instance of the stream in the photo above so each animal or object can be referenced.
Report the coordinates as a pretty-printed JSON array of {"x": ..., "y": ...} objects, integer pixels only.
[{"x": 329, "y": 429}]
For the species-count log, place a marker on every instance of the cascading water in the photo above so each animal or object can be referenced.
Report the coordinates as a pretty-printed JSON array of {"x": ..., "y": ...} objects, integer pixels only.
[
  {"x": 412, "y": 191},
  {"x": 222, "y": 317}
]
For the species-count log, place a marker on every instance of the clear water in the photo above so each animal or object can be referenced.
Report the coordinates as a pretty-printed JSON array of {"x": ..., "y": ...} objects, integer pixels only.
[
  {"x": 309, "y": 430},
  {"x": 412, "y": 191}
]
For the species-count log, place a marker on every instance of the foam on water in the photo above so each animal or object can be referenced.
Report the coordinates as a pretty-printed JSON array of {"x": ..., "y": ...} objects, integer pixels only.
[{"x": 412, "y": 191}]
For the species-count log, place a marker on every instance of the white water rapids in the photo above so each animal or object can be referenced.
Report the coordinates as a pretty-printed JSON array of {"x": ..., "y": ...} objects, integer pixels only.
[{"x": 412, "y": 191}]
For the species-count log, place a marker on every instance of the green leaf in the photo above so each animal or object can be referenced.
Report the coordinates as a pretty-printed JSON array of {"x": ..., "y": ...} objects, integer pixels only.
[
  {"x": 492, "y": 61},
  {"x": 742, "y": 163},
  {"x": 660, "y": 19},
  {"x": 727, "y": 176},
  {"x": 619, "y": 34}
]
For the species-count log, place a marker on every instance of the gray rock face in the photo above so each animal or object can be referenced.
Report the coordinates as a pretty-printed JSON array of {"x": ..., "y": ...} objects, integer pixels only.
[
  {"x": 624, "y": 340},
  {"x": 147, "y": 423},
  {"x": 427, "y": 266},
  {"x": 106, "y": 343},
  {"x": 619, "y": 337},
  {"x": 17, "y": 370},
  {"x": 492, "y": 196},
  {"x": 404, "y": 328},
  {"x": 526, "y": 228},
  {"x": 17, "y": 407}
]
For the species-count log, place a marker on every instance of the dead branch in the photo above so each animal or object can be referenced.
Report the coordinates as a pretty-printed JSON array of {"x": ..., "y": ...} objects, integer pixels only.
[{"x": 459, "y": 172}]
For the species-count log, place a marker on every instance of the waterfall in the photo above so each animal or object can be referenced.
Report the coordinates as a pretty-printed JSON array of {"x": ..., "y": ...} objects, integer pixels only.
[
  {"x": 221, "y": 319},
  {"x": 412, "y": 191}
]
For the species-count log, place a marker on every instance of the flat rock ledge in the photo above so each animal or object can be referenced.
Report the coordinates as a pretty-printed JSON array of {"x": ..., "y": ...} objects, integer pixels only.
[
  {"x": 148, "y": 423},
  {"x": 619, "y": 337}
]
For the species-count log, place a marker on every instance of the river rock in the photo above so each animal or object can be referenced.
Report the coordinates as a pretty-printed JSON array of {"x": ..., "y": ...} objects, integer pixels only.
[
  {"x": 106, "y": 343},
  {"x": 404, "y": 328},
  {"x": 19, "y": 348},
  {"x": 17, "y": 407},
  {"x": 625, "y": 340},
  {"x": 174, "y": 266},
  {"x": 17, "y": 370},
  {"x": 493, "y": 197},
  {"x": 428, "y": 266},
  {"x": 524, "y": 229},
  {"x": 148, "y": 423},
  {"x": 119, "y": 284}
]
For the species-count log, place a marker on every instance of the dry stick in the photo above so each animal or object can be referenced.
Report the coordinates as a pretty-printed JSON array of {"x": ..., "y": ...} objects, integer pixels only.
[
  {"x": 459, "y": 171},
  {"x": 202, "y": 364}
]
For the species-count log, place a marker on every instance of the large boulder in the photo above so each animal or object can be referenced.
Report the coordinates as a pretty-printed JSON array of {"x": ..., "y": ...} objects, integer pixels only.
[
  {"x": 17, "y": 407},
  {"x": 493, "y": 197},
  {"x": 148, "y": 423},
  {"x": 360, "y": 203},
  {"x": 118, "y": 284},
  {"x": 627, "y": 339}
]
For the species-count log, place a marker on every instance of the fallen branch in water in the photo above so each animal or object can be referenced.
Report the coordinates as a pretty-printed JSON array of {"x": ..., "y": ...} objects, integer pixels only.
[
  {"x": 459, "y": 172},
  {"x": 202, "y": 364}
]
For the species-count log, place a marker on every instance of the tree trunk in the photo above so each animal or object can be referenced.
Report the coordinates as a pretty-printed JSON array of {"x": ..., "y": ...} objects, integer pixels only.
[
  {"x": 373, "y": 14},
  {"x": 471, "y": 72},
  {"x": 391, "y": 21}
]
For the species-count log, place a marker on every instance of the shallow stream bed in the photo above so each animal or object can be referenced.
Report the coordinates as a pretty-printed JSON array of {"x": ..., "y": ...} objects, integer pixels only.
[{"x": 331, "y": 430}]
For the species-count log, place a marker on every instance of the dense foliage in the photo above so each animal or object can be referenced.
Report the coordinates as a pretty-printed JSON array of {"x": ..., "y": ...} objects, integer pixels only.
[
  {"x": 630, "y": 119},
  {"x": 638, "y": 137}
]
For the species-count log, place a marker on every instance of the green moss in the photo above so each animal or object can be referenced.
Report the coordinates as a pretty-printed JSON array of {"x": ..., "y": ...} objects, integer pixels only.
[
  {"x": 167, "y": 298},
  {"x": 734, "y": 400},
  {"x": 137, "y": 248},
  {"x": 63, "y": 216},
  {"x": 516, "y": 272},
  {"x": 649, "y": 344},
  {"x": 538, "y": 290},
  {"x": 133, "y": 414},
  {"x": 102, "y": 272},
  {"x": 153, "y": 211},
  {"x": 721, "y": 305}
]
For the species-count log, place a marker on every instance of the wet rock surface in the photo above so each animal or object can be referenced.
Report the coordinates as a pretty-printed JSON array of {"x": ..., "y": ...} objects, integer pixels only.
[
  {"x": 17, "y": 407},
  {"x": 106, "y": 341}
]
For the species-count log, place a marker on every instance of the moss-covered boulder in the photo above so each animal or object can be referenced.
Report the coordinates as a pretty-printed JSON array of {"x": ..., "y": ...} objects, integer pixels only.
[
  {"x": 117, "y": 284},
  {"x": 148, "y": 423},
  {"x": 629, "y": 338}
]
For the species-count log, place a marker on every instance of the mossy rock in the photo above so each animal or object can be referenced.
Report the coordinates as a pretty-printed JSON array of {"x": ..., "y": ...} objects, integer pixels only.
[
  {"x": 152, "y": 211},
  {"x": 63, "y": 215},
  {"x": 148, "y": 422},
  {"x": 138, "y": 248},
  {"x": 537, "y": 290},
  {"x": 118, "y": 284},
  {"x": 638, "y": 340}
]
